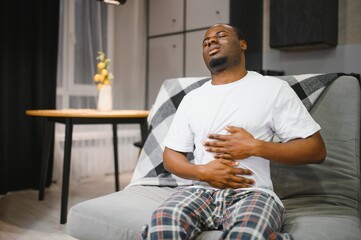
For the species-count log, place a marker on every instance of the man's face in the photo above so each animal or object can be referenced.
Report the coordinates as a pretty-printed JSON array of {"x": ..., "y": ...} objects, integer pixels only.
[{"x": 221, "y": 48}]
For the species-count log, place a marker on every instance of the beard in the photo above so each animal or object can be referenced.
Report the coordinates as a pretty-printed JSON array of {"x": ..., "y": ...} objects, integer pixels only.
[{"x": 218, "y": 64}]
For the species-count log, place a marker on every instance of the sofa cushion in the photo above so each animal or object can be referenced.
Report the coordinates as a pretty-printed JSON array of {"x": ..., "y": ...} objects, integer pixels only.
[
  {"x": 332, "y": 227},
  {"x": 118, "y": 215}
]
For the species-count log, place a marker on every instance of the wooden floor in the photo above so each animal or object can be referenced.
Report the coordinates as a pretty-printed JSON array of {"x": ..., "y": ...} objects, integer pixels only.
[{"x": 23, "y": 217}]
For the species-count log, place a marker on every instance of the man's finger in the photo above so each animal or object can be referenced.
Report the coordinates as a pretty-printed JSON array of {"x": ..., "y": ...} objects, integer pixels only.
[
  {"x": 240, "y": 185},
  {"x": 223, "y": 155},
  {"x": 245, "y": 181},
  {"x": 242, "y": 171},
  {"x": 241, "y": 182},
  {"x": 228, "y": 162},
  {"x": 233, "y": 129},
  {"x": 219, "y": 137},
  {"x": 213, "y": 144},
  {"x": 214, "y": 150}
]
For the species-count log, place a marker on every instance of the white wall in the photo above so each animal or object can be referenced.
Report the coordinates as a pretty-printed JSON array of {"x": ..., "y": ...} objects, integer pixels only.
[{"x": 345, "y": 57}]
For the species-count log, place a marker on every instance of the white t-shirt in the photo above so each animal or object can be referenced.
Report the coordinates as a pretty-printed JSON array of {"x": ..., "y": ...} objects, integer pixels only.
[{"x": 263, "y": 106}]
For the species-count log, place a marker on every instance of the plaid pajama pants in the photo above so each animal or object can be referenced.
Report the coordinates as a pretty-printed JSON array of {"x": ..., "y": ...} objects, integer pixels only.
[{"x": 240, "y": 214}]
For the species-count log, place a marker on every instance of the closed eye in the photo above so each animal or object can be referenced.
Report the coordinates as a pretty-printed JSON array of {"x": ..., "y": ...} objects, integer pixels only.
[
  {"x": 218, "y": 35},
  {"x": 222, "y": 34}
]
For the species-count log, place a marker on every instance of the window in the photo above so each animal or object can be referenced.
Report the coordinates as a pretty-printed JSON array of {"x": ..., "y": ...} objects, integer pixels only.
[{"x": 83, "y": 32}]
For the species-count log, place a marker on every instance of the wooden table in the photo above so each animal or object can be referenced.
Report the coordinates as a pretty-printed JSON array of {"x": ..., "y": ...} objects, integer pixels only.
[{"x": 69, "y": 117}]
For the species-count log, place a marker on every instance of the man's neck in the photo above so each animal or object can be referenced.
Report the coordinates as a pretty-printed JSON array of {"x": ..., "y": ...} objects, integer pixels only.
[{"x": 226, "y": 77}]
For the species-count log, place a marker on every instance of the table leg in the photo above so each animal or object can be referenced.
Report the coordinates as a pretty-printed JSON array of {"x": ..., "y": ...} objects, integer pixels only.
[
  {"x": 48, "y": 139},
  {"x": 116, "y": 165},
  {"x": 66, "y": 170},
  {"x": 144, "y": 130}
]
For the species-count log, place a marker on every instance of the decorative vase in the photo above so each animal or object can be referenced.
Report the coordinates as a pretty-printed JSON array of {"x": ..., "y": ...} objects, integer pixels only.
[{"x": 105, "y": 100}]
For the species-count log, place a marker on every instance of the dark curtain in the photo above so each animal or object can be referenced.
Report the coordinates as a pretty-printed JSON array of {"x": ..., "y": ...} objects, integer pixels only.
[{"x": 28, "y": 43}]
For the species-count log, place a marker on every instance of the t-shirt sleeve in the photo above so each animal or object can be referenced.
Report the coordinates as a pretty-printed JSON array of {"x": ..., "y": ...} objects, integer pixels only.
[
  {"x": 290, "y": 117},
  {"x": 180, "y": 137}
]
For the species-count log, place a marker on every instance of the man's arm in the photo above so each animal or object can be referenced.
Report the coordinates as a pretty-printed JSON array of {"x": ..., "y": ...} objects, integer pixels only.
[
  {"x": 240, "y": 144},
  {"x": 219, "y": 173}
]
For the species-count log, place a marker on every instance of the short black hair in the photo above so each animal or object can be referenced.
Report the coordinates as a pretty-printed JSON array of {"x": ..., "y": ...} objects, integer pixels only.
[{"x": 239, "y": 33}]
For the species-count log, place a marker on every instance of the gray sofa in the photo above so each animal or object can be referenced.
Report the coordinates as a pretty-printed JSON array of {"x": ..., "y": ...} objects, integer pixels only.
[{"x": 322, "y": 201}]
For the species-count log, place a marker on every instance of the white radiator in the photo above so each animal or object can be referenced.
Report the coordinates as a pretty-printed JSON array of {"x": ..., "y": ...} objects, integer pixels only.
[{"x": 92, "y": 151}]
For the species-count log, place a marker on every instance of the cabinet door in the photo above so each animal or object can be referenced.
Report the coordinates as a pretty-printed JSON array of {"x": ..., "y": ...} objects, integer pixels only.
[
  {"x": 165, "y": 61},
  {"x": 205, "y": 13},
  {"x": 165, "y": 16},
  {"x": 195, "y": 66}
]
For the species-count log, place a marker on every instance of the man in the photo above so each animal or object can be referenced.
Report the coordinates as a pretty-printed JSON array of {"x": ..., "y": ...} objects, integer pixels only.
[{"x": 242, "y": 110}]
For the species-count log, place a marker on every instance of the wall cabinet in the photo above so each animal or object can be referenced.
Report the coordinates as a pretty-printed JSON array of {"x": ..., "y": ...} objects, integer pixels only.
[
  {"x": 194, "y": 64},
  {"x": 165, "y": 16},
  {"x": 204, "y": 13},
  {"x": 165, "y": 61}
]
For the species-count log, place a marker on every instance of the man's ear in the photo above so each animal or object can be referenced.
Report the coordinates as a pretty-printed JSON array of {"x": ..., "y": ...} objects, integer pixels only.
[{"x": 243, "y": 45}]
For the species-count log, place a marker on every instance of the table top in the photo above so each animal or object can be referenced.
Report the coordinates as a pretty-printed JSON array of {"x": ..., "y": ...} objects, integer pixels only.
[{"x": 88, "y": 113}]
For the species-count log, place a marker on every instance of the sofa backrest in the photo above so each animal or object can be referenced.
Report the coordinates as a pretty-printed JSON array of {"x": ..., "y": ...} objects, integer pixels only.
[{"x": 333, "y": 188}]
